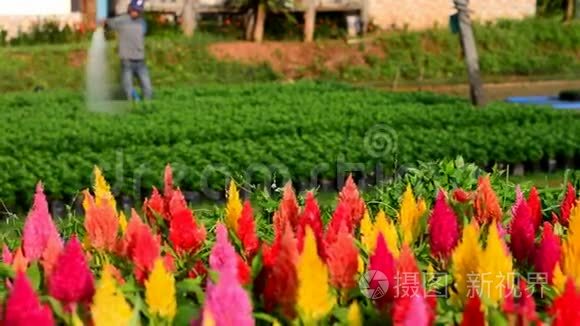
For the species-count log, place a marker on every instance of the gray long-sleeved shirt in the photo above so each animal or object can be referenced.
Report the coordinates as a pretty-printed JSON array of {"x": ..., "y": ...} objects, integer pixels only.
[{"x": 131, "y": 36}]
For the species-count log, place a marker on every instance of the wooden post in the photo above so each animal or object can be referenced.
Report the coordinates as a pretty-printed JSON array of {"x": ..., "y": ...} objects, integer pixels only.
[
  {"x": 188, "y": 23},
  {"x": 89, "y": 9},
  {"x": 260, "y": 22},
  {"x": 569, "y": 14},
  {"x": 364, "y": 15},
  {"x": 470, "y": 52},
  {"x": 250, "y": 22},
  {"x": 309, "y": 21}
]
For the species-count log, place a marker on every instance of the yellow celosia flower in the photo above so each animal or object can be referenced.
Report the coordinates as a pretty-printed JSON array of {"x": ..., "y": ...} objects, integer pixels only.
[
  {"x": 353, "y": 316},
  {"x": 389, "y": 231},
  {"x": 571, "y": 247},
  {"x": 465, "y": 261},
  {"x": 559, "y": 279},
  {"x": 122, "y": 222},
  {"x": 314, "y": 297},
  {"x": 496, "y": 269},
  {"x": 103, "y": 191},
  {"x": 109, "y": 306},
  {"x": 366, "y": 232},
  {"x": 361, "y": 265},
  {"x": 208, "y": 318},
  {"x": 409, "y": 216},
  {"x": 233, "y": 207},
  {"x": 160, "y": 291}
]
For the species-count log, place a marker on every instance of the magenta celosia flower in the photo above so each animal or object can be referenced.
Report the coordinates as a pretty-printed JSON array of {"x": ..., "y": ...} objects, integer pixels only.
[
  {"x": 522, "y": 233},
  {"x": 412, "y": 311},
  {"x": 71, "y": 280},
  {"x": 38, "y": 228},
  {"x": 382, "y": 261},
  {"x": 227, "y": 300},
  {"x": 7, "y": 256},
  {"x": 443, "y": 228},
  {"x": 548, "y": 252},
  {"x": 535, "y": 204},
  {"x": 567, "y": 204},
  {"x": 23, "y": 306}
]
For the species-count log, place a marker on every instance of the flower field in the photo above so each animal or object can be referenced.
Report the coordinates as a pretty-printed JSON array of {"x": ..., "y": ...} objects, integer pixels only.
[{"x": 487, "y": 253}]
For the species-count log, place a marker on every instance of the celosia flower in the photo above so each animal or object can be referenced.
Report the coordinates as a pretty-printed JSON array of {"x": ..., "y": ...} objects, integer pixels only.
[
  {"x": 198, "y": 270},
  {"x": 20, "y": 262},
  {"x": 486, "y": 204},
  {"x": 409, "y": 216},
  {"x": 559, "y": 279},
  {"x": 233, "y": 207},
  {"x": 278, "y": 281},
  {"x": 461, "y": 195},
  {"x": 386, "y": 227},
  {"x": 38, "y": 228},
  {"x": 465, "y": 263},
  {"x": 7, "y": 256},
  {"x": 409, "y": 280},
  {"x": 227, "y": 300},
  {"x": 23, "y": 306},
  {"x": 176, "y": 203},
  {"x": 495, "y": 270},
  {"x": 109, "y": 305},
  {"x": 155, "y": 205},
  {"x": 567, "y": 204},
  {"x": 548, "y": 252},
  {"x": 524, "y": 308},
  {"x": 443, "y": 228},
  {"x": 288, "y": 209},
  {"x": 339, "y": 218},
  {"x": 564, "y": 310},
  {"x": 473, "y": 314},
  {"x": 184, "y": 233},
  {"x": 71, "y": 280},
  {"x": 208, "y": 318},
  {"x": 247, "y": 231},
  {"x": 244, "y": 271},
  {"x": 160, "y": 292},
  {"x": 310, "y": 217},
  {"x": 354, "y": 316},
  {"x": 382, "y": 261},
  {"x": 315, "y": 300},
  {"x": 50, "y": 255},
  {"x": 101, "y": 224},
  {"x": 571, "y": 247},
  {"x": 411, "y": 311},
  {"x": 367, "y": 232},
  {"x": 141, "y": 246},
  {"x": 168, "y": 183},
  {"x": 122, "y": 222},
  {"x": 342, "y": 260},
  {"x": 535, "y": 205},
  {"x": 102, "y": 191},
  {"x": 522, "y": 232},
  {"x": 351, "y": 197}
]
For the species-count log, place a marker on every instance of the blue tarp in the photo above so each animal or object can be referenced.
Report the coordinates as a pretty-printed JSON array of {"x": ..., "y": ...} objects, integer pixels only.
[{"x": 545, "y": 100}]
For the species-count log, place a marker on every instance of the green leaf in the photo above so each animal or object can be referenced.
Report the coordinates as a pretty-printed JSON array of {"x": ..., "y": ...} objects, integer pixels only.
[
  {"x": 6, "y": 271},
  {"x": 34, "y": 275},
  {"x": 185, "y": 314},
  {"x": 257, "y": 265}
]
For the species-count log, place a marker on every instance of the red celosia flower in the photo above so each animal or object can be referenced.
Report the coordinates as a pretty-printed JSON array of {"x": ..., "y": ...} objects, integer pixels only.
[
  {"x": 486, "y": 204},
  {"x": 144, "y": 251},
  {"x": 102, "y": 224},
  {"x": 522, "y": 233},
  {"x": 198, "y": 270},
  {"x": 126, "y": 245},
  {"x": 461, "y": 195},
  {"x": 278, "y": 281},
  {"x": 535, "y": 204},
  {"x": 247, "y": 231},
  {"x": 71, "y": 280},
  {"x": 408, "y": 275},
  {"x": 548, "y": 252},
  {"x": 310, "y": 217},
  {"x": 177, "y": 203},
  {"x": 473, "y": 313},
  {"x": 244, "y": 271},
  {"x": 382, "y": 261},
  {"x": 169, "y": 263},
  {"x": 443, "y": 228},
  {"x": 23, "y": 306},
  {"x": 567, "y": 204},
  {"x": 564, "y": 310},
  {"x": 411, "y": 311},
  {"x": 351, "y": 197},
  {"x": 342, "y": 260},
  {"x": 288, "y": 208},
  {"x": 523, "y": 306},
  {"x": 185, "y": 235},
  {"x": 155, "y": 205},
  {"x": 116, "y": 274},
  {"x": 339, "y": 218}
]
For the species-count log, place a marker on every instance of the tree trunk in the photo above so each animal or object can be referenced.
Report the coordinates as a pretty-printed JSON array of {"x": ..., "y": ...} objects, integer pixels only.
[
  {"x": 309, "y": 21},
  {"x": 250, "y": 24},
  {"x": 470, "y": 52},
  {"x": 569, "y": 15},
  {"x": 189, "y": 23},
  {"x": 260, "y": 22},
  {"x": 89, "y": 9}
]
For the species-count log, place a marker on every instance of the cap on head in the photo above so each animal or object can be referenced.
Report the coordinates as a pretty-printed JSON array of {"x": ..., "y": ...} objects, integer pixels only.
[{"x": 137, "y": 5}]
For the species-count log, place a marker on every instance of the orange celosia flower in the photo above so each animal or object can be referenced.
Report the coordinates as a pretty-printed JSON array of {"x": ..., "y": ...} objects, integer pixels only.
[
  {"x": 101, "y": 224},
  {"x": 486, "y": 204}
]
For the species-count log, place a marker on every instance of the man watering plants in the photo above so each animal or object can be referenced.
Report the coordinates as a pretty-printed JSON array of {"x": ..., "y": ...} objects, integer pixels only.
[{"x": 131, "y": 29}]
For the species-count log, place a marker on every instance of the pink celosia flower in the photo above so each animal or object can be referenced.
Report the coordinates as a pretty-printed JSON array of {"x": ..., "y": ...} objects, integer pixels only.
[
  {"x": 71, "y": 280},
  {"x": 524, "y": 308},
  {"x": 567, "y": 204},
  {"x": 7, "y": 256},
  {"x": 535, "y": 204},
  {"x": 23, "y": 306},
  {"x": 548, "y": 252},
  {"x": 522, "y": 234},
  {"x": 38, "y": 228},
  {"x": 382, "y": 261},
  {"x": 412, "y": 311},
  {"x": 443, "y": 228}
]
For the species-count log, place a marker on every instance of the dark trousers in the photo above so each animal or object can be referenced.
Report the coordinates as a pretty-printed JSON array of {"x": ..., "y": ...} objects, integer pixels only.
[{"x": 130, "y": 68}]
